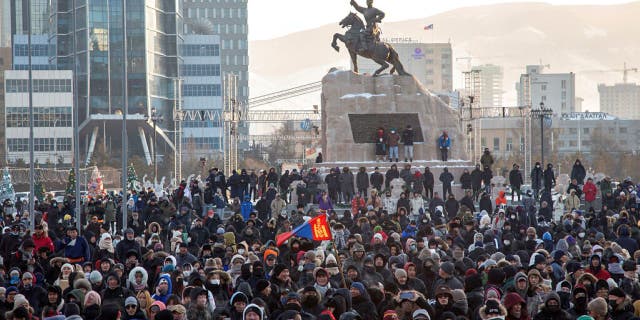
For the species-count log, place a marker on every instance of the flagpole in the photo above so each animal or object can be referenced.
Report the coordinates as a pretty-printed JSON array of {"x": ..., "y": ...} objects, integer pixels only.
[{"x": 344, "y": 282}]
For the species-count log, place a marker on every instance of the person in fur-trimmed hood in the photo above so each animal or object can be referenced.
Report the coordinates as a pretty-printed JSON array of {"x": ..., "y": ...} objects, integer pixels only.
[
  {"x": 620, "y": 303},
  {"x": 137, "y": 279},
  {"x": 493, "y": 310}
]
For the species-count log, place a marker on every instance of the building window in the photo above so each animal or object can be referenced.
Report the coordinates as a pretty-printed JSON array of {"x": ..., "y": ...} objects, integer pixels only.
[
  {"x": 544, "y": 98},
  {"x": 195, "y": 50},
  {"x": 201, "y": 124},
  {"x": 509, "y": 146},
  {"x": 63, "y": 144},
  {"x": 201, "y": 70},
  {"x": 43, "y": 117},
  {"x": 496, "y": 144},
  {"x": 586, "y": 143},
  {"x": 612, "y": 130},
  {"x": 564, "y": 84},
  {"x": 43, "y": 144},
  {"x": 206, "y": 143},
  {"x": 37, "y": 50},
  {"x": 39, "y": 85},
  {"x": 18, "y": 144},
  {"x": 201, "y": 90},
  {"x": 564, "y": 95},
  {"x": 544, "y": 87},
  {"x": 585, "y": 130},
  {"x": 483, "y": 143},
  {"x": 623, "y": 130},
  {"x": 573, "y": 130},
  {"x": 521, "y": 144},
  {"x": 573, "y": 143}
]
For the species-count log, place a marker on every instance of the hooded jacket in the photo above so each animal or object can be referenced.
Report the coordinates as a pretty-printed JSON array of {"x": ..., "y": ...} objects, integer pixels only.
[
  {"x": 116, "y": 295},
  {"x": 163, "y": 297},
  {"x": 131, "y": 280},
  {"x": 548, "y": 314}
]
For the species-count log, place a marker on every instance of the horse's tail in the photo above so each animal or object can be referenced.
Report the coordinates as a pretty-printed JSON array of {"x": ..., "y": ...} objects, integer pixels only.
[{"x": 394, "y": 59}]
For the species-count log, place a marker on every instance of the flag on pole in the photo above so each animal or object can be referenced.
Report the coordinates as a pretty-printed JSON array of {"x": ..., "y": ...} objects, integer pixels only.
[
  {"x": 429, "y": 27},
  {"x": 316, "y": 229}
]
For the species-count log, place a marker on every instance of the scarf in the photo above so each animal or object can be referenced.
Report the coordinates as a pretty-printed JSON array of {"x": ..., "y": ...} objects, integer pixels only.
[{"x": 106, "y": 244}]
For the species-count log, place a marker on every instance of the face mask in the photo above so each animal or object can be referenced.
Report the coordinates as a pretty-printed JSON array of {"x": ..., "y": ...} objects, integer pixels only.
[
  {"x": 215, "y": 282},
  {"x": 507, "y": 242},
  {"x": 28, "y": 286},
  {"x": 240, "y": 251},
  {"x": 581, "y": 234},
  {"x": 186, "y": 273},
  {"x": 513, "y": 217},
  {"x": 115, "y": 243},
  {"x": 412, "y": 247}
]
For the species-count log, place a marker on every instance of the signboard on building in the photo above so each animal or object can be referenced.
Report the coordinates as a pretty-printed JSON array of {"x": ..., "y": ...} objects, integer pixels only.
[{"x": 587, "y": 116}]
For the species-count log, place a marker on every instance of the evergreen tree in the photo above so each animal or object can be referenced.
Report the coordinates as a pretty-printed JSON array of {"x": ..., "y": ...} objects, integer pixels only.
[
  {"x": 38, "y": 188},
  {"x": 71, "y": 183},
  {"x": 6, "y": 187}
]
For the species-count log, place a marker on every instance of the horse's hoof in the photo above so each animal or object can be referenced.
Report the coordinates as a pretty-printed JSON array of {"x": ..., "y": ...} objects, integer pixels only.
[{"x": 336, "y": 48}]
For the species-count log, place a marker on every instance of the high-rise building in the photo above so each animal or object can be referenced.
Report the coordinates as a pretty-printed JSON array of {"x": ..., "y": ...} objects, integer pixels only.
[
  {"x": 621, "y": 99},
  {"x": 227, "y": 19},
  {"x": 5, "y": 24},
  {"x": 153, "y": 38},
  {"x": 202, "y": 125},
  {"x": 5, "y": 64},
  {"x": 52, "y": 116},
  {"x": 490, "y": 85},
  {"x": 39, "y": 16},
  {"x": 430, "y": 63},
  {"x": 556, "y": 90}
]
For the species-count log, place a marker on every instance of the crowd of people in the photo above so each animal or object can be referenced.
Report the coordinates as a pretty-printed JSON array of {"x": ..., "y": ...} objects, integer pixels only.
[{"x": 207, "y": 250}]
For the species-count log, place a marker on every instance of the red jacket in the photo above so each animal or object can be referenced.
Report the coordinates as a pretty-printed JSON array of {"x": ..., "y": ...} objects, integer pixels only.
[
  {"x": 43, "y": 241},
  {"x": 589, "y": 191}
]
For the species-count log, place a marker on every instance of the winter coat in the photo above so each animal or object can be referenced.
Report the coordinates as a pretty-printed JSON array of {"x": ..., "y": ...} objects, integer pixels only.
[
  {"x": 549, "y": 178},
  {"x": 393, "y": 139},
  {"x": 376, "y": 180},
  {"x": 346, "y": 182},
  {"x": 590, "y": 191},
  {"x": 408, "y": 136},
  {"x": 465, "y": 180},
  {"x": 77, "y": 249},
  {"x": 476, "y": 178},
  {"x": 536, "y": 178},
  {"x": 578, "y": 172},
  {"x": 515, "y": 178},
  {"x": 390, "y": 175},
  {"x": 486, "y": 160},
  {"x": 333, "y": 181},
  {"x": 444, "y": 142},
  {"x": 446, "y": 178},
  {"x": 428, "y": 179},
  {"x": 362, "y": 180}
]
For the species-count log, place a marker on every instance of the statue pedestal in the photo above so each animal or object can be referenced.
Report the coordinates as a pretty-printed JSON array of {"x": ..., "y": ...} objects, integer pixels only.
[{"x": 354, "y": 106}]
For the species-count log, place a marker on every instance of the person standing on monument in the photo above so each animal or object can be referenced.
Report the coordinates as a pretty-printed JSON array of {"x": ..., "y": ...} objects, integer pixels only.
[
  {"x": 407, "y": 139},
  {"x": 392, "y": 140},
  {"x": 381, "y": 144},
  {"x": 444, "y": 143}
]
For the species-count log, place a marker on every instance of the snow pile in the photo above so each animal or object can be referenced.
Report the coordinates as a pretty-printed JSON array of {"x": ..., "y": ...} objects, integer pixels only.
[{"x": 362, "y": 95}]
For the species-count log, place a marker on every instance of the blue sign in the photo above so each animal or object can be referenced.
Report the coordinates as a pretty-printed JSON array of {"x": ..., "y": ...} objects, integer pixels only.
[{"x": 305, "y": 125}]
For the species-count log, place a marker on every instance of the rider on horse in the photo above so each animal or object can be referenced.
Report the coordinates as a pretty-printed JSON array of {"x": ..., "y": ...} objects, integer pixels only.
[{"x": 372, "y": 16}]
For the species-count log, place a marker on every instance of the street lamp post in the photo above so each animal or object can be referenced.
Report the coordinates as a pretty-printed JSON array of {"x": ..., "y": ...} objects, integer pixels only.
[
  {"x": 542, "y": 113},
  {"x": 155, "y": 118}
]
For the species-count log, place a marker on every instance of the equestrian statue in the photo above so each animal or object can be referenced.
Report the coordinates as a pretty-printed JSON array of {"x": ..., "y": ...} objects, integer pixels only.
[{"x": 364, "y": 40}]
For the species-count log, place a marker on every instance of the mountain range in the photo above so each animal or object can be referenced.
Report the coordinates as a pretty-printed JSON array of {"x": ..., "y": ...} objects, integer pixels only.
[{"x": 593, "y": 41}]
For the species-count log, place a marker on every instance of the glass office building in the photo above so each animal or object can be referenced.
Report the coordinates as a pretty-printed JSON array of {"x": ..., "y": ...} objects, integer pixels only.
[{"x": 153, "y": 38}]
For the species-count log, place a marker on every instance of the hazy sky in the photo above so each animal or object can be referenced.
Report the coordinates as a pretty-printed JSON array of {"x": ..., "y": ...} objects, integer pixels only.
[{"x": 274, "y": 18}]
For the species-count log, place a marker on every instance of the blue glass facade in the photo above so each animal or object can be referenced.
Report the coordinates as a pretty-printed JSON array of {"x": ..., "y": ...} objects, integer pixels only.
[{"x": 153, "y": 38}]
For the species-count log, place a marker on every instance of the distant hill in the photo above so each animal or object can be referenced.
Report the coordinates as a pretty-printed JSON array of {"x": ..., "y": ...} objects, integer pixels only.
[{"x": 580, "y": 39}]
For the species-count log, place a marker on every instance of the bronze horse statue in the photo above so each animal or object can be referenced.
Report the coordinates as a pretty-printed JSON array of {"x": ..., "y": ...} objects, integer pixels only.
[{"x": 378, "y": 51}]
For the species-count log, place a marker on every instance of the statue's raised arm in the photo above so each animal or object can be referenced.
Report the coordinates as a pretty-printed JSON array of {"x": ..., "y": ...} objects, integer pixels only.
[{"x": 357, "y": 7}]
